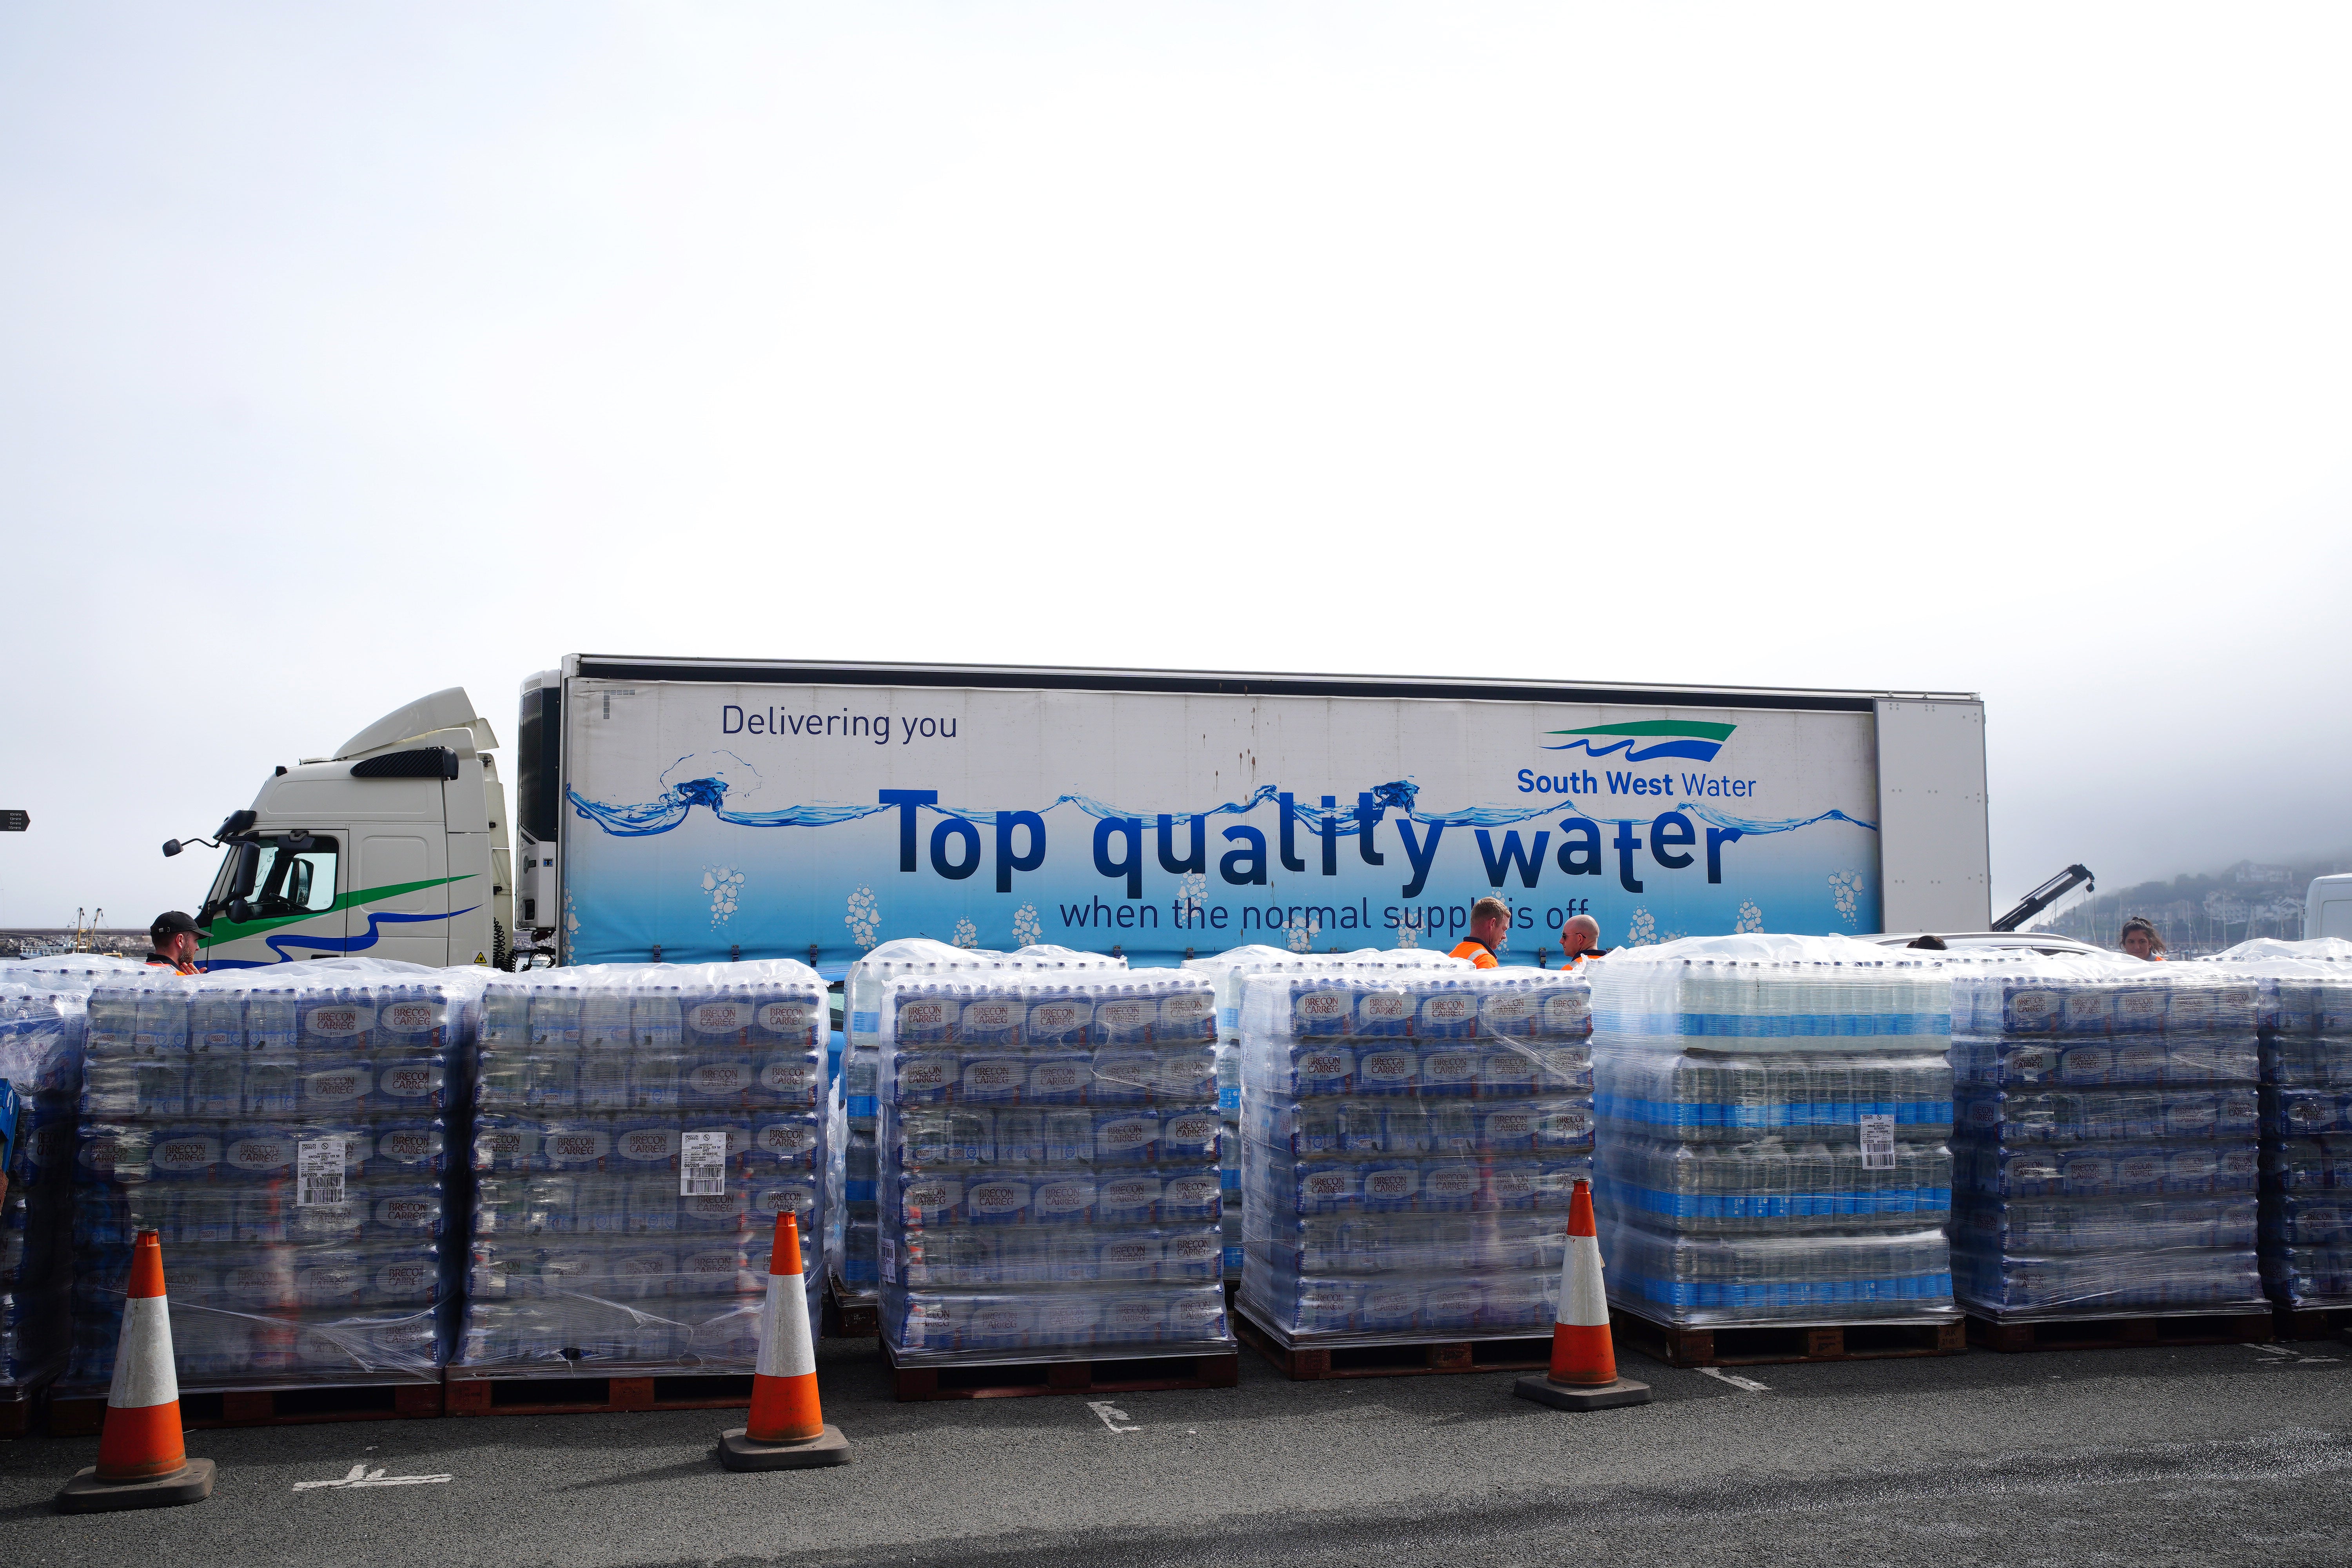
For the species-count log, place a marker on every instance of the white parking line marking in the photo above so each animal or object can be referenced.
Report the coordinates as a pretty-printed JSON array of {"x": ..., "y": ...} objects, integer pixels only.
[
  {"x": 1112, "y": 1415},
  {"x": 361, "y": 1476},
  {"x": 1749, "y": 1383}
]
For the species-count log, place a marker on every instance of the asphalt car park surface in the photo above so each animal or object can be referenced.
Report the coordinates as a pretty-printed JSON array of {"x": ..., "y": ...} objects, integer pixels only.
[{"x": 2202, "y": 1455}]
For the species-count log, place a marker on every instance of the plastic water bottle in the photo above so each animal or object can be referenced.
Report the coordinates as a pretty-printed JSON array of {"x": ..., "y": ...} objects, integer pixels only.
[
  {"x": 606, "y": 1044},
  {"x": 658, "y": 1050}
]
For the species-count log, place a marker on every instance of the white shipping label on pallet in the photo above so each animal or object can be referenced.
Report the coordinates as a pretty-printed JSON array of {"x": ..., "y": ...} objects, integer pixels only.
[
  {"x": 702, "y": 1165},
  {"x": 319, "y": 1171},
  {"x": 1878, "y": 1141}
]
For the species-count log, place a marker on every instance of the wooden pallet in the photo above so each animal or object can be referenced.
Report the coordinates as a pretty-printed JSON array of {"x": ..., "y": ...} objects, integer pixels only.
[
  {"x": 16, "y": 1410},
  {"x": 2310, "y": 1322},
  {"x": 2121, "y": 1332},
  {"x": 1016, "y": 1380},
  {"x": 495, "y": 1394},
  {"x": 1765, "y": 1345},
  {"x": 1317, "y": 1363},
  {"x": 847, "y": 1316},
  {"x": 84, "y": 1415}
]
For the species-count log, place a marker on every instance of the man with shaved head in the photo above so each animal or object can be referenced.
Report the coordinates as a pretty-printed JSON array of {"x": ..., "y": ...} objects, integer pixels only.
[{"x": 1580, "y": 938}]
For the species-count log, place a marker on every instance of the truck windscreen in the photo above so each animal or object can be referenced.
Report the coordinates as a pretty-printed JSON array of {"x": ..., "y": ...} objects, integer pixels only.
[{"x": 286, "y": 881}]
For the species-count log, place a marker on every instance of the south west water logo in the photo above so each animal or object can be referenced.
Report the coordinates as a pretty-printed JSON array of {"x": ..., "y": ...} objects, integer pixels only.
[{"x": 1689, "y": 738}]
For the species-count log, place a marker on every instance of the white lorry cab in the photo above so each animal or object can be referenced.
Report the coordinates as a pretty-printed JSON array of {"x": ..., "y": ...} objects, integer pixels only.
[{"x": 395, "y": 846}]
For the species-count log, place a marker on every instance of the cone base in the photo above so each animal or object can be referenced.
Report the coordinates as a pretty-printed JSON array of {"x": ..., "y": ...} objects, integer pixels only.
[
  {"x": 87, "y": 1494},
  {"x": 737, "y": 1451},
  {"x": 1577, "y": 1396}
]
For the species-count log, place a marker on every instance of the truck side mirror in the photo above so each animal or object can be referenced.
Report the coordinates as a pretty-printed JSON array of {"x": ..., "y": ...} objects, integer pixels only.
[
  {"x": 239, "y": 911},
  {"x": 171, "y": 847},
  {"x": 248, "y": 869},
  {"x": 297, "y": 890}
]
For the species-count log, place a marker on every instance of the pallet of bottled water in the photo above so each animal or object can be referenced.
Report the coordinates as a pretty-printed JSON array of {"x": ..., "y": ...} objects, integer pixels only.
[
  {"x": 2306, "y": 1131},
  {"x": 1049, "y": 1168},
  {"x": 2107, "y": 1152},
  {"x": 283, "y": 1131},
  {"x": 1227, "y": 972},
  {"x": 41, "y": 1033},
  {"x": 853, "y": 1251},
  {"x": 1773, "y": 1121},
  {"x": 638, "y": 1130},
  {"x": 1411, "y": 1141}
]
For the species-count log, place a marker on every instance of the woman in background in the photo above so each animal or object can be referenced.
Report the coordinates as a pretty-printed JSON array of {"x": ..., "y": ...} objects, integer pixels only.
[{"x": 2139, "y": 939}]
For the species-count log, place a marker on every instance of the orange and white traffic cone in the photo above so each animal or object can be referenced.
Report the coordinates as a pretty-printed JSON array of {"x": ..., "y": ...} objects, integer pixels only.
[
  {"x": 786, "y": 1429},
  {"x": 142, "y": 1458},
  {"x": 1583, "y": 1373}
]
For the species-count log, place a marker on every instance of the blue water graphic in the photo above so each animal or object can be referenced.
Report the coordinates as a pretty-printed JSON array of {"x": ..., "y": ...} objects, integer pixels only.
[{"x": 709, "y": 782}]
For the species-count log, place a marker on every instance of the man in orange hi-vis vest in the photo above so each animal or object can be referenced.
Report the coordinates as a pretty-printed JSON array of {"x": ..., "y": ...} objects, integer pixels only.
[{"x": 1489, "y": 918}]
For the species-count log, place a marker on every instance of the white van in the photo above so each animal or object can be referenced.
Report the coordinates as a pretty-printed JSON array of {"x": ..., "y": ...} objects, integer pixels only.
[{"x": 2328, "y": 911}]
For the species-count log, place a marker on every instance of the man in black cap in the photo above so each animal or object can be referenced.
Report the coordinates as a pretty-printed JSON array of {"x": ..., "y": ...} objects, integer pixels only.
[{"x": 173, "y": 935}]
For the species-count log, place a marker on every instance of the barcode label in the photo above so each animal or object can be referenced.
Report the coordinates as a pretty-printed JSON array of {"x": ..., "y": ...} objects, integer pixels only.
[
  {"x": 890, "y": 1264},
  {"x": 319, "y": 1171},
  {"x": 701, "y": 1165},
  {"x": 1878, "y": 1141}
]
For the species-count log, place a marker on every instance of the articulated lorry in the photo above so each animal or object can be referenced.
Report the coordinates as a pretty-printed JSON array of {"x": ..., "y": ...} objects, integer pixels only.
[{"x": 695, "y": 809}]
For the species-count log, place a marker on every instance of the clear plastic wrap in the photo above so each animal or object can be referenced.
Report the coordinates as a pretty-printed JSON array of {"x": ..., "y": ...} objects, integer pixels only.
[
  {"x": 1824, "y": 1276},
  {"x": 1050, "y": 1171},
  {"x": 851, "y": 1246},
  {"x": 2108, "y": 1123},
  {"x": 638, "y": 1130},
  {"x": 286, "y": 1131},
  {"x": 1227, "y": 971},
  {"x": 1768, "y": 994},
  {"x": 1774, "y": 1186},
  {"x": 1773, "y": 1120},
  {"x": 1702, "y": 1095},
  {"x": 40, "y": 1057},
  {"x": 2306, "y": 1125},
  {"x": 1410, "y": 1138}
]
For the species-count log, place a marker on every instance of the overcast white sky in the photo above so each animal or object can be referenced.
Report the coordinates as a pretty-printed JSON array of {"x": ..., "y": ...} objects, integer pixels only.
[{"x": 351, "y": 351}]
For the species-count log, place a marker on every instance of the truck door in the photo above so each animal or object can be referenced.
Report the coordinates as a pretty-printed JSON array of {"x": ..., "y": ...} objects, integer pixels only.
[
  {"x": 402, "y": 895},
  {"x": 291, "y": 896}
]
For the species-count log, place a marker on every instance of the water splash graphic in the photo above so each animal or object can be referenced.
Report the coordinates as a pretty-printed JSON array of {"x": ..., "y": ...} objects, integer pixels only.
[{"x": 728, "y": 787}]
